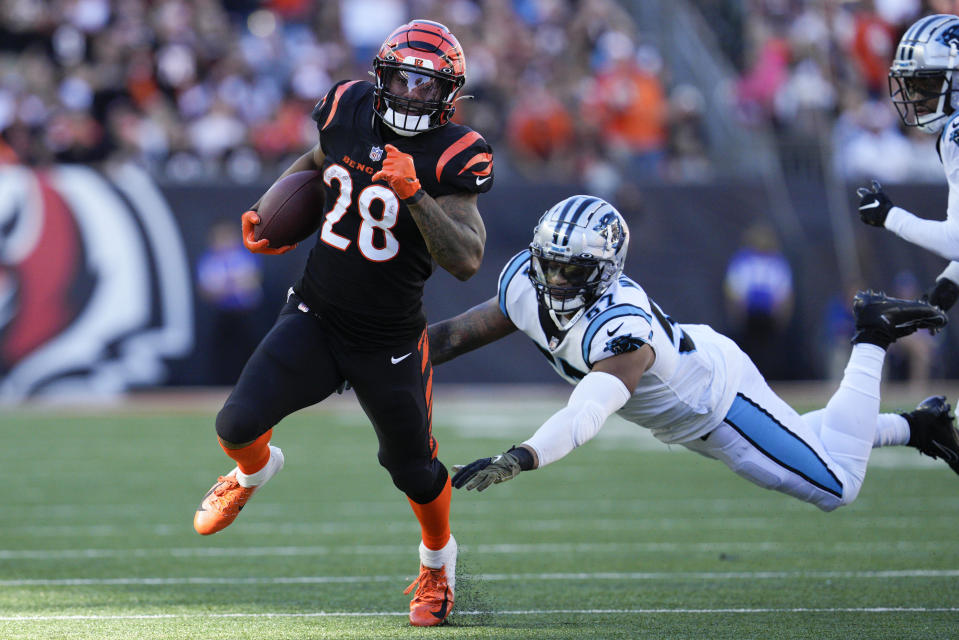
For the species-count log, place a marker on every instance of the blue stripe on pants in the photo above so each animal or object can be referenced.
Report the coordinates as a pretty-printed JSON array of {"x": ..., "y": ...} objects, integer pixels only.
[{"x": 780, "y": 445}]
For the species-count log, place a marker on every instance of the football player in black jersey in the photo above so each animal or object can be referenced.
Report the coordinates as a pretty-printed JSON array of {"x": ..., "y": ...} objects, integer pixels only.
[{"x": 401, "y": 191}]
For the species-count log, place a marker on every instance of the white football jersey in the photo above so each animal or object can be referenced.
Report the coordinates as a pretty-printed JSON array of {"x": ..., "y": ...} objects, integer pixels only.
[
  {"x": 949, "y": 153},
  {"x": 693, "y": 381},
  {"x": 940, "y": 237}
]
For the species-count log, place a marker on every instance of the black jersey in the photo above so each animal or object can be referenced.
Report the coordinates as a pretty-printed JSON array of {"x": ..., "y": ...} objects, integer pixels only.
[{"x": 366, "y": 272}]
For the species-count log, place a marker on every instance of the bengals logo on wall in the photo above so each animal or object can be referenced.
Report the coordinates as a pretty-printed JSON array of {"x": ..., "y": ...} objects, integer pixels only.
[{"x": 94, "y": 283}]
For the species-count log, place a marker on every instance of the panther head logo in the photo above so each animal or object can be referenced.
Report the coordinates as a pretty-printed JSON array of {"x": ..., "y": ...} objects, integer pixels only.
[{"x": 94, "y": 283}]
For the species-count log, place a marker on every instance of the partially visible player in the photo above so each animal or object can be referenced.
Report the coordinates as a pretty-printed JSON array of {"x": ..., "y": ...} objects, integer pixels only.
[
  {"x": 925, "y": 90},
  {"x": 688, "y": 384},
  {"x": 401, "y": 194}
]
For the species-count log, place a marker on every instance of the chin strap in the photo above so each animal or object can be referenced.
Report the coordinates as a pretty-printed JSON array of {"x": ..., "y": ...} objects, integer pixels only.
[{"x": 563, "y": 326}]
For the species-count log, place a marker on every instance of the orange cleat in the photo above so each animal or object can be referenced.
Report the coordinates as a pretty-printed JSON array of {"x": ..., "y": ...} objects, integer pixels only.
[
  {"x": 225, "y": 499},
  {"x": 433, "y": 599}
]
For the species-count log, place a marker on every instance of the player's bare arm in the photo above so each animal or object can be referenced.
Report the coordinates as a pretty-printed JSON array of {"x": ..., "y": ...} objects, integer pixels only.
[
  {"x": 470, "y": 330},
  {"x": 450, "y": 225},
  {"x": 453, "y": 230}
]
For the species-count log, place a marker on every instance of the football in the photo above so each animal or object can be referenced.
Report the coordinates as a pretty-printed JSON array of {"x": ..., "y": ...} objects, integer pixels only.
[{"x": 290, "y": 211}]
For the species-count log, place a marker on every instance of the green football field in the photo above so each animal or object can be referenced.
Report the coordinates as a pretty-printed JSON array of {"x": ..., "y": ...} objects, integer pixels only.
[{"x": 626, "y": 538}]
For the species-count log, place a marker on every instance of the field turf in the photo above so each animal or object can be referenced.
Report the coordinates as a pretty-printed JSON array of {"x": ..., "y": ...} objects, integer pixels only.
[{"x": 626, "y": 538}]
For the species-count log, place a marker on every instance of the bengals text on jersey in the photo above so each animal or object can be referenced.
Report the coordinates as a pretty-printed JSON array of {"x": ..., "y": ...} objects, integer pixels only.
[{"x": 366, "y": 272}]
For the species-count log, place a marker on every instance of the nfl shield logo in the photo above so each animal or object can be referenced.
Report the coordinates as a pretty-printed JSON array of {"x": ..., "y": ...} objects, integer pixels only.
[{"x": 376, "y": 153}]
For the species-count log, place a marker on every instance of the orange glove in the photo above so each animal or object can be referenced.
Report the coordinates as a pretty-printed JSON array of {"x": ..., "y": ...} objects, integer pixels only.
[
  {"x": 398, "y": 171},
  {"x": 249, "y": 219}
]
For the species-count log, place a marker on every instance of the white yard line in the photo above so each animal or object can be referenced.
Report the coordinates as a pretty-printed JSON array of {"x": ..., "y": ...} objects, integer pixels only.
[
  {"x": 327, "y": 527},
  {"x": 559, "y": 547},
  {"x": 499, "y": 577},
  {"x": 517, "y": 612}
]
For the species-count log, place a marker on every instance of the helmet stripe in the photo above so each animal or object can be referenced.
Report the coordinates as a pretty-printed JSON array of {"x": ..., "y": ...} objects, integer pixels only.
[
  {"x": 423, "y": 45},
  {"x": 574, "y": 219},
  {"x": 582, "y": 208},
  {"x": 915, "y": 31},
  {"x": 562, "y": 219},
  {"x": 434, "y": 34}
]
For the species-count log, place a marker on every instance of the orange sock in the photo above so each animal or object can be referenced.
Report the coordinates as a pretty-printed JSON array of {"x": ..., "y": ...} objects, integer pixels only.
[
  {"x": 253, "y": 456},
  {"x": 434, "y": 518}
]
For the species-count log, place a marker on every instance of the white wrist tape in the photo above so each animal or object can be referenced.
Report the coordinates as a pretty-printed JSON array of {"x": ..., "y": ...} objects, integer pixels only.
[{"x": 594, "y": 399}]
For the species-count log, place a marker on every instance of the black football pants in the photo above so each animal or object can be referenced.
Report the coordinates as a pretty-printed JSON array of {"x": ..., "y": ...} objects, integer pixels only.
[{"x": 299, "y": 363}]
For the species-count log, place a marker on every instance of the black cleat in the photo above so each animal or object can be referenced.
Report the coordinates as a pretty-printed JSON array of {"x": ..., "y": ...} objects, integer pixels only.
[
  {"x": 881, "y": 320},
  {"x": 933, "y": 431}
]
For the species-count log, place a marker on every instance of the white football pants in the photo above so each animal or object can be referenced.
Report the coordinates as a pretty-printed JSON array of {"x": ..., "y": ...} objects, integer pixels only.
[{"x": 820, "y": 457}]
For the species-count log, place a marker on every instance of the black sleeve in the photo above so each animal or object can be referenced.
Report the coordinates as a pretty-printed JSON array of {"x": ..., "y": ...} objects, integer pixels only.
[
  {"x": 322, "y": 108},
  {"x": 467, "y": 165}
]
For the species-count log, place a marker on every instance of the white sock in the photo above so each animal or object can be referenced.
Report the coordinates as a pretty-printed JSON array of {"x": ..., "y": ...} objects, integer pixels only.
[
  {"x": 850, "y": 418},
  {"x": 249, "y": 480},
  {"x": 892, "y": 430},
  {"x": 436, "y": 558}
]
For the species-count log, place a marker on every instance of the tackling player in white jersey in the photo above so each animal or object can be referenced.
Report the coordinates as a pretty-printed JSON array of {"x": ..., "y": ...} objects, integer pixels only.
[
  {"x": 687, "y": 383},
  {"x": 925, "y": 91}
]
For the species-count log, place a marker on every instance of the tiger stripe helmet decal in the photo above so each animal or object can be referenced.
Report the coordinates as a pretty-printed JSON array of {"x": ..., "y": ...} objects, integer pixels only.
[{"x": 419, "y": 70}]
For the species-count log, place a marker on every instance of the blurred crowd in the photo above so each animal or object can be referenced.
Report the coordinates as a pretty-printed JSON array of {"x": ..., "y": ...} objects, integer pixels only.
[
  {"x": 214, "y": 89},
  {"x": 816, "y": 70},
  {"x": 204, "y": 89}
]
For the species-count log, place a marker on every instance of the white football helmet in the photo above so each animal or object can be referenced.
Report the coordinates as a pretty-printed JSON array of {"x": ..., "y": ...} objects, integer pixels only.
[
  {"x": 578, "y": 250},
  {"x": 921, "y": 76}
]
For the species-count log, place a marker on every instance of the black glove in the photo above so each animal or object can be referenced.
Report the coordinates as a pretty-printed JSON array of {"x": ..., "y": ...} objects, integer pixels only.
[
  {"x": 481, "y": 473},
  {"x": 943, "y": 294},
  {"x": 874, "y": 205}
]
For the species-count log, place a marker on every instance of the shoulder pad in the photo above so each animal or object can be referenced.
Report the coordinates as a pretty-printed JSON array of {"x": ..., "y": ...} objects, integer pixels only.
[
  {"x": 326, "y": 108},
  {"x": 466, "y": 163},
  {"x": 950, "y": 132},
  {"x": 513, "y": 266},
  {"x": 621, "y": 313}
]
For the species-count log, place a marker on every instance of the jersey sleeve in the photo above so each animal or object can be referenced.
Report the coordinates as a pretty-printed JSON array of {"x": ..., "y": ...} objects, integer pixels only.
[
  {"x": 325, "y": 109},
  {"x": 617, "y": 329},
  {"x": 940, "y": 237},
  {"x": 517, "y": 266},
  {"x": 466, "y": 164},
  {"x": 949, "y": 154}
]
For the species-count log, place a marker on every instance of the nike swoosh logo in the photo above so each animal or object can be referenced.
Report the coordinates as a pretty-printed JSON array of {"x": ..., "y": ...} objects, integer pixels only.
[
  {"x": 610, "y": 332},
  {"x": 480, "y": 181},
  {"x": 207, "y": 495},
  {"x": 870, "y": 206},
  {"x": 439, "y": 615},
  {"x": 401, "y": 358}
]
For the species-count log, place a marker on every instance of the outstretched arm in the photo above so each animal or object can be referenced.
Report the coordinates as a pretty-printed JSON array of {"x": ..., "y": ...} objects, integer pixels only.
[
  {"x": 603, "y": 391},
  {"x": 472, "y": 329},
  {"x": 939, "y": 236}
]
